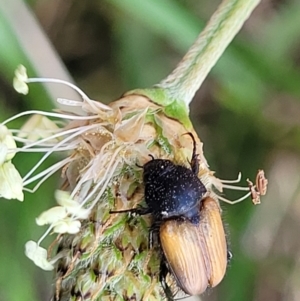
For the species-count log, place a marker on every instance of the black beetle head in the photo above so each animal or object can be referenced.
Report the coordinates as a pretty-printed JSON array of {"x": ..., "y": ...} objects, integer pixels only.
[{"x": 171, "y": 189}]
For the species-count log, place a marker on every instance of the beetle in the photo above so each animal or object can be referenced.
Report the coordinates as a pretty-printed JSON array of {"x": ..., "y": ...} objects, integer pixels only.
[
  {"x": 196, "y": 249},
  {"x": 188, "y": 224}
]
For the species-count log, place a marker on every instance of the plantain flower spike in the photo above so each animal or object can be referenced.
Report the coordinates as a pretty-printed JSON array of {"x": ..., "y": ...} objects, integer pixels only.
[
  {"x": 97, "y": 255},
  {"x": 100, "y": 254}
]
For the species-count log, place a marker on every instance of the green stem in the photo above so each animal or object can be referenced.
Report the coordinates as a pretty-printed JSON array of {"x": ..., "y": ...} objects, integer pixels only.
[{"x": 225, "y": 23}]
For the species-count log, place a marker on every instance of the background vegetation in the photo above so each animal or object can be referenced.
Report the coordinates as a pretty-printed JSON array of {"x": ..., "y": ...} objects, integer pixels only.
[{"x": 246, "y": 113}]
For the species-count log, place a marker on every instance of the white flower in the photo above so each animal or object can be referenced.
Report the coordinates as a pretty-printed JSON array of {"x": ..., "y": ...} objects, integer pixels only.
[
  {"x": 6, "y": 138},
  {"x": 64, "y": 199},
  {"x": 20, "y": 80},
  {"x": 63, "y": 218},
  {"x": 38, "y": 255},
  {"x": 67, "y": 225},
  {"x": 11, "y": 184},
  {"x": 52, "y": 216},
  {"x": 3, "y": 153}
]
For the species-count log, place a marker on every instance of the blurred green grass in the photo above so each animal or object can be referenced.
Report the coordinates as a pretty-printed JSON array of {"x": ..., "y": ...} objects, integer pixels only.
[{"x": 246, "y": 113}]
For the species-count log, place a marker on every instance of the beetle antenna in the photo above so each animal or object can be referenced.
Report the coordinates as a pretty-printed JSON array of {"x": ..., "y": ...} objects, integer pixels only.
[
  {"x": 141, "y": 166},
  {"x": 194, "y": 161},
  {"x": 138, "y": 165},
  {"x": 152, "y": 157}
]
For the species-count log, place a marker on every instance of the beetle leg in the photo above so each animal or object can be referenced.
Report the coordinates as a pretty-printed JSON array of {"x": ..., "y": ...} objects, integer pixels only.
[
  {"x": 162, "y": 278},
  {"x": 138, "y": 211},
  {"x": 153, "y": 234}
]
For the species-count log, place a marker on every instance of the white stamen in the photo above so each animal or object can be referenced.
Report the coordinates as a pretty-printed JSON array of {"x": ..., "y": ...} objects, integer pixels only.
[
  {"x": 48, "y": 172},
  {"x": 85, "y": 176},
  {"x": 236, "y": 187},
  {"x": 41, "y": 150},
  {"x": 26, "y": 141},
  {"x": 49, "y": 114},
  {"x": 233, "y": 181},
  {"x": 79, "y": 91},
  {"x": 106, "y": 183},
  {"x": 77, "y": 133},
  {"x": 58, "y": 135},
  {"x": 105, "y": 177},
  {"x": 44, "y": 235},
  {"x": 235, "y": 201},
  {"x": 58, "y": 81},
  {"x": 69, "y": 102}
]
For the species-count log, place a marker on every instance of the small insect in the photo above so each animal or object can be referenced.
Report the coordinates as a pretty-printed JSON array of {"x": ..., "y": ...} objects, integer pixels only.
[{"x": 190, "y": 228}]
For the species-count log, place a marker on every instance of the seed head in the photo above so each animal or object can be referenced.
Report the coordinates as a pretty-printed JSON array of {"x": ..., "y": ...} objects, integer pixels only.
[{"x": 97, "y": 255}]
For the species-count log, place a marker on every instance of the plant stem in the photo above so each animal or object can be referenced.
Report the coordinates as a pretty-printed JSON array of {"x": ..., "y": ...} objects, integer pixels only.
[{"x": 225, "y": 23}]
